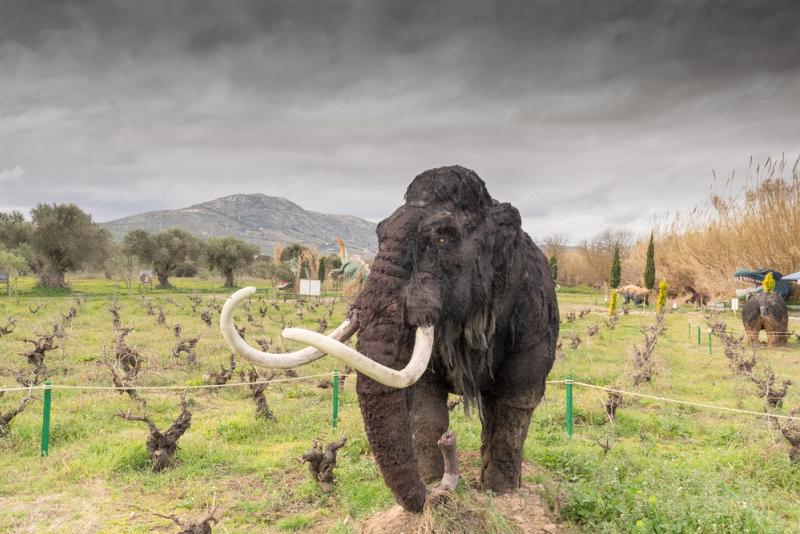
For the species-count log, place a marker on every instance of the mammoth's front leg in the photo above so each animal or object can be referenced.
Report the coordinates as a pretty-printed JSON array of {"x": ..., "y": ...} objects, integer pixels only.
[
  {"x": 387, "y": 421},
  {"x": 429, "y": 420}
]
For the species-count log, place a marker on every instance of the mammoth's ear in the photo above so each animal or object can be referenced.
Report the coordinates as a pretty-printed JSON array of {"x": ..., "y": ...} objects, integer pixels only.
[
  {"x": 496, "y": 237},
  {"x": 507, "y": 229}
]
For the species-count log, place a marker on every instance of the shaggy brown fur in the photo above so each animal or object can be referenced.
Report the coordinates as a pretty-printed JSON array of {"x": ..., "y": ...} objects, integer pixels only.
[
  {"x": 635, "y": 294},
  {"x": 766, "y": 311},
  {"x": 453, "y": 257}
]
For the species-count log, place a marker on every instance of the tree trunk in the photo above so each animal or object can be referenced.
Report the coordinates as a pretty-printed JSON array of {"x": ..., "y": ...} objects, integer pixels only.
[
  {"x": 163, "y": 281},
  {"x": 52, "y": 278},
  {"x": 229, "y": 278}
]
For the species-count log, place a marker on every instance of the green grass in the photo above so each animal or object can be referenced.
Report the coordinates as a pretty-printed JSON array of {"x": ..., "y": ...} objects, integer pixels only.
[{"x": 670, "y": 468}]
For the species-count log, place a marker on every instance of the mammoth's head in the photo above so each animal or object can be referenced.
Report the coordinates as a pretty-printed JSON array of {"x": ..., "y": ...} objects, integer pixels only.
[{"x": 439, "y": 253}]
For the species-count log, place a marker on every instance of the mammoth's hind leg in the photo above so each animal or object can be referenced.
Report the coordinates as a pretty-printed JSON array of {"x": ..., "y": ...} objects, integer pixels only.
[
  {"x": 507, "y": 407},
  {"x": 429, "y": 420}
]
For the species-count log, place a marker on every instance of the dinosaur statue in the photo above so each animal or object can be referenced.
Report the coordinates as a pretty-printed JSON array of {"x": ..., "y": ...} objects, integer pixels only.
[
  {"x": 352, "y": 269},
  {"x": 756, "y": 277},
  {"x": 637, "y": 295}
]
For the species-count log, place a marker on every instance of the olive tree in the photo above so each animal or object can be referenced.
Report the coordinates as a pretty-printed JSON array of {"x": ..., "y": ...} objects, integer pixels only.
[
  {"x": 227, "y": 255},
  {"x": 13, "y": 266},
  {"x": 122, "y": 265},
  {"x": 165, "y": 251},
  {"x": 64, "y": 238},
  {"x": 14, "y": 230}
]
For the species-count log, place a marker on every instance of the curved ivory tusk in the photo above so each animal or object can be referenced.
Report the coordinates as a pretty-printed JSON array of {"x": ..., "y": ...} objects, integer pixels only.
[
  {"x": 268, "y": 359},
  {"x": 423, "y": 346}
]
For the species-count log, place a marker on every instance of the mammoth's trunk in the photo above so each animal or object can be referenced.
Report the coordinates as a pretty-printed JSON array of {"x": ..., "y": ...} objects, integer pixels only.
[
  {"x": 385, "y": 337},
  {"x": 386, "y": 413}
]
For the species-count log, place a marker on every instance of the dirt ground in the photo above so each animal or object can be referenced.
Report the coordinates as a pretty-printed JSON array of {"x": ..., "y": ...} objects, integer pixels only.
[{"x": 524, "y": 510}]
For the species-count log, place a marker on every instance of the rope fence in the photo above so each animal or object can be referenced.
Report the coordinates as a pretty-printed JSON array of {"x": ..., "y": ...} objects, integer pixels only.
[
  {"x": 695, "y": 404},
  {"x": 569, "y": 384}
]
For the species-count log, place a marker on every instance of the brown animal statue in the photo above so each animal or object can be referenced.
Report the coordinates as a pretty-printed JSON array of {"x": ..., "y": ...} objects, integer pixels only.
[
  {"x": 766, "y": 311},
  {"x": 637, "y": 295},
  {"x": 459, "y": 300}
]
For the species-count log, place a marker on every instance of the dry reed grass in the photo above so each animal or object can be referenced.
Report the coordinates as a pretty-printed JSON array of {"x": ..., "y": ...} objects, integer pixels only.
[{"x": 756, "y": 225}]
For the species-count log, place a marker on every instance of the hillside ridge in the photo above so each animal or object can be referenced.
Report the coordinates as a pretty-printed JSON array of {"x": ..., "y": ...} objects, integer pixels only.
[{"x": 259, "y": 219}]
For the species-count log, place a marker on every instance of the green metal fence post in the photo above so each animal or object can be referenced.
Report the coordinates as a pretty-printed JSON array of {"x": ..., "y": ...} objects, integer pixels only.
[
  {"x": 335, "y": 397},
  {"x": 569, "y": 406},
  {"x": 48, "y": 392},
  {"x": 698, "y": 334},
  {"x": 709, "y": 342}
]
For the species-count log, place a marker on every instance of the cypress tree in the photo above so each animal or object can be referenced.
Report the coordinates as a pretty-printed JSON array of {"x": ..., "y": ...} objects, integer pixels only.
[
  {"x": 554, "y": 268},
  {"x": 650, "y": 265},
  {"x": 616, "y": 270},
  {"x": 321, "y": 270}
]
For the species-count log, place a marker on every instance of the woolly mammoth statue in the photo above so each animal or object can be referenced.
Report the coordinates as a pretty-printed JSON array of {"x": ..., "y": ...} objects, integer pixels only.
[
  {"x": 459, "y": 299},
  {"x": 766, "y": 311},
  {"x": 637, "y": 295}
]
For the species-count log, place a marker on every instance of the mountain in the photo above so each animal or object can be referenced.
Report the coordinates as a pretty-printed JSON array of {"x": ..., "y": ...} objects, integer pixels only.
[{"x": 258, "y": 219}]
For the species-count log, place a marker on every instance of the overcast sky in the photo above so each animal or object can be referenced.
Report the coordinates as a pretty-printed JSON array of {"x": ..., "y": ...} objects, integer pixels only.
[{"x": 582, "y": 114}]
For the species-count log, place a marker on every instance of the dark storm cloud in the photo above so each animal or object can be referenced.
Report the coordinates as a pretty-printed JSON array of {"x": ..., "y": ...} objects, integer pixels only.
[{"x": 583, "y": 114}]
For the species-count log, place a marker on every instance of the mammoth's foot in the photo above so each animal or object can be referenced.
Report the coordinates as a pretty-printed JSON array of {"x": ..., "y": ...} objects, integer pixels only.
[
  {"x": 447, "y": 486},
  {"x": 777, "y": 339}
]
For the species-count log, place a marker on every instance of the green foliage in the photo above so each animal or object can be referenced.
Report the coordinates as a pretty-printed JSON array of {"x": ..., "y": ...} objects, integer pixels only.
[
  {"x": 65, "y": 239},
  {"x": 612, "y": 302},
  {"x": 321, "y": 271},
  {"x": 650, "y": 265},
  {"x": 333, "y": 262},
  {"x": 622, "y": 494},
  {"x": 554, "y": 267},
  {"x": 228, "y": 255},
  {"x": 291, "y": 252},
  {"x": 662, "y": 296},
  {"x": 295, "y": 523},
  {"x": 14, "y": 266},
  {"x": 165, "y": 251},
  {"x": 14, "y": 230},
  {"x": 616, "y": 269},
  {"x": 768, "y": 283},
  {"x": 121, "y": 266},
  {"x": 283, "y": 272}
]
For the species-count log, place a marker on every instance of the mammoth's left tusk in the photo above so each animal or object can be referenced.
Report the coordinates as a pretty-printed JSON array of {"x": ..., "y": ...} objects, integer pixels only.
[
  {"x": 269, "y": 359},
  {"x": 423, "y": 347}
]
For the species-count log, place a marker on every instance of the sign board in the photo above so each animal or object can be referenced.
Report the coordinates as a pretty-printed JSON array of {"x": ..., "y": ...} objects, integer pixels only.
[
  {"x": 3, "y": 277},
  {"x": 145, "y": 277},
  {"x": 734, "y": 304},
  {"x": 310, "y": 288}
]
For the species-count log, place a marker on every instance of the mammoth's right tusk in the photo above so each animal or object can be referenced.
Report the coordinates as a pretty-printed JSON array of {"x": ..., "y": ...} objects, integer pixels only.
[
  {"x": 423, "y": 346},
  {"x": 268, "y": 359}
]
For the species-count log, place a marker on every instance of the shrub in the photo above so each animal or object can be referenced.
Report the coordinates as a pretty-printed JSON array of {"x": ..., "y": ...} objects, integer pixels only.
[
  {"x": 769, "y": 283},
  {"x": 662, "y": 296},
  {"x": 612, "y": 303}
]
